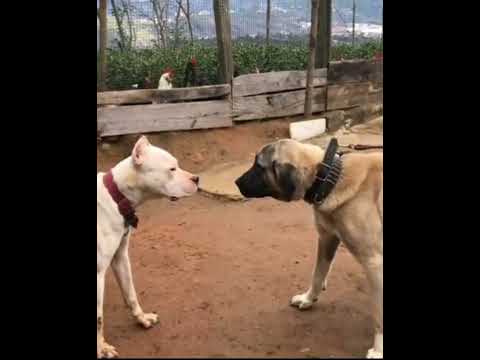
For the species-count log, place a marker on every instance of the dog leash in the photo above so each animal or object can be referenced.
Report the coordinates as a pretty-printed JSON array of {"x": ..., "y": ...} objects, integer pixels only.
[
  {"x": 363, "y": 147},
  {"x": 358, "y": 147}
]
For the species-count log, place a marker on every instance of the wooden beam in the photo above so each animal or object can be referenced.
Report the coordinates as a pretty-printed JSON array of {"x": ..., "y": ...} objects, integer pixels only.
[
  {"x": 348, "y": 71},
  {"x": 103, "y": 44},
  {"x": 290, "y": 103},
  {"x": 276, "y": 105},
  {"x": 148, "y": 96},
  {"x": 375, "y": 96},
  {"x": 224, "y": 41},
  {"x": 277, "y": 81},
  {"x": 311, "y": 58},
  {"x": 347, "y": 95},
  {"x": 322, "y": 56},
  {"x": 138, "y": 119}
]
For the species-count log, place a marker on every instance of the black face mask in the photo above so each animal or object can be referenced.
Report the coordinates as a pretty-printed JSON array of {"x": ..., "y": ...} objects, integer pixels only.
[{"x": 252, "y": 184}]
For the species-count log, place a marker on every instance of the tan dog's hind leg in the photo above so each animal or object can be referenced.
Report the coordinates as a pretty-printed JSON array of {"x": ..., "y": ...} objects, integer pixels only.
[
  {"x": 326, "y": 249},
  {"x": 104, "y": 350},
  {"x": 374, "y": 269},
  {"x": 123, "y": 272}
]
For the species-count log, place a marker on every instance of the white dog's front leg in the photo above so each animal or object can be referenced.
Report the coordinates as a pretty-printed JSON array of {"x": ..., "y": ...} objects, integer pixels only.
[
  {"x": 123, "y": 272},
  {"x": 104, "y": 350}
]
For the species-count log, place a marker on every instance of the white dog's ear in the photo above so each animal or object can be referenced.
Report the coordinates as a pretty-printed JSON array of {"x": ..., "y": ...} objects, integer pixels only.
[{"x": 139, "y": 150}]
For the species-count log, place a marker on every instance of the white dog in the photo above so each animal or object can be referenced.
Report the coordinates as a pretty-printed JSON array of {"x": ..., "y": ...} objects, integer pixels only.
[{"x": 149, "y": 172}]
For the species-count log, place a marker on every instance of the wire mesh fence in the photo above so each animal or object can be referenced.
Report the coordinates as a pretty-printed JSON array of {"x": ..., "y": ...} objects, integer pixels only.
[
  {"x": 171, "y": 23},
  {"x": 146, "y": 36}
]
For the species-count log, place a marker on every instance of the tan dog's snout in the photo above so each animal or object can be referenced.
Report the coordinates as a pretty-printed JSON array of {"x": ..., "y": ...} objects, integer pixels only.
[{"x": 195, "y": 179}]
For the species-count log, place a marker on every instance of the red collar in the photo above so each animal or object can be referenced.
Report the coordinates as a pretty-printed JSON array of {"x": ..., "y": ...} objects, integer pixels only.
[{"x": 124, "y": 205}]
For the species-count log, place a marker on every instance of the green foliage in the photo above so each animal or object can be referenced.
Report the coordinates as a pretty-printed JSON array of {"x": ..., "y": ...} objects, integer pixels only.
[
  {"x": 365, "y": 50},
  {"x": 126, "y": 68}
]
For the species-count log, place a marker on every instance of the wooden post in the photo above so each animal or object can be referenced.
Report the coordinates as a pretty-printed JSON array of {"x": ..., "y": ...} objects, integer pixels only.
[
  {"x": 224, "y": 41},
  {"x": 267, "y": 36},
  {"x": 311, "y": 59},
  {"x": 103, "y": 44},
  {"x": 322, "y": 57},
  {"x": 353, "y": 23}
]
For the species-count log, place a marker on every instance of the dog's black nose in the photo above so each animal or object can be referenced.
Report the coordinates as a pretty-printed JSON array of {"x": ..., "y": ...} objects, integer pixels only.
[{"x": 195, "y": 179}]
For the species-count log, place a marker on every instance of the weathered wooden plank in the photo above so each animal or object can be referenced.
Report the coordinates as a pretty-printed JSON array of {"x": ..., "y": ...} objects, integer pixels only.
[
  {"x": 347, "y": 71},
  {"x": 347, "y": 95},
  {"x": 375, "y": 96},
  {"x": 192, "y": 93},
  {"x": 277, "y": 81},
  {"x": 276, "y": 105},
  {"x": 291, "y": 103},
  {"x": 148, "y": 96},
  {"x": 143, "y": 96},
  {"x": 136, "y": 119}
]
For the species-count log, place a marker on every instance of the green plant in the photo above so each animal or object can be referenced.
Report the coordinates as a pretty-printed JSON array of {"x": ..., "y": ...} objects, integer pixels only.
[{"x": 126, "y": 68}]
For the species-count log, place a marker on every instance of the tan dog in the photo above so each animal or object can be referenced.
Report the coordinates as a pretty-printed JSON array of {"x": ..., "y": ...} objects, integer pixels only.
[
  {"x": 352, "y": 212},
  {"x": 149, "y": 172}
]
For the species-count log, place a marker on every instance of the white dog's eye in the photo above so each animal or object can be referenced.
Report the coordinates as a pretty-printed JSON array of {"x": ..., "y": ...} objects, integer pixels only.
[{"x": 173, "y": 169}]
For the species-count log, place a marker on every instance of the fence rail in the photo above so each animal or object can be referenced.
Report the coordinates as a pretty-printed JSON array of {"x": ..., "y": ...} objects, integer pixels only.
[{"x": 350, "y": 85}]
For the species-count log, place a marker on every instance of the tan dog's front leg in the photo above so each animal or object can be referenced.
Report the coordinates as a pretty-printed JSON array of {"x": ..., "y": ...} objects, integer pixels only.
[
  {"x": 104, "y": 350},
  {"x": 326, "y": 249},
  {"x": 123, "y": 272}
]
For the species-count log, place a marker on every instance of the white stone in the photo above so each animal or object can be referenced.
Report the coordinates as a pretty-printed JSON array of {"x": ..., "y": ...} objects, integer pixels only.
[{"x": 304, "y": 130}]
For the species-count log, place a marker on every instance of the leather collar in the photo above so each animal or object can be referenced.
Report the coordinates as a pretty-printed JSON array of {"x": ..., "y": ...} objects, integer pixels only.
[
  {"x": 328, "y": 173},
  {"x": 124, "y": 205}
]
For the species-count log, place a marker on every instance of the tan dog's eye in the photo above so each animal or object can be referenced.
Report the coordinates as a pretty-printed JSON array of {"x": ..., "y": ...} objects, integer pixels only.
[{"x": 173, "y": 169}]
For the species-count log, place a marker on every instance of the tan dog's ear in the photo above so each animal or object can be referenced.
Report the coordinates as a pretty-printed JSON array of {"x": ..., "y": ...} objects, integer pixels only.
[{"x": 139, "y": 150}]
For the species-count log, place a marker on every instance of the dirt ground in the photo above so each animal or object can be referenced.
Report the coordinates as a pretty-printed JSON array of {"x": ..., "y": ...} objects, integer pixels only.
[{"x": 220, "y": 274}]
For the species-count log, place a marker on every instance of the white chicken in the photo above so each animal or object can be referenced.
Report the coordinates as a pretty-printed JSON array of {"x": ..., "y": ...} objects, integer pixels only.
[{"x": 166, "y": 79}]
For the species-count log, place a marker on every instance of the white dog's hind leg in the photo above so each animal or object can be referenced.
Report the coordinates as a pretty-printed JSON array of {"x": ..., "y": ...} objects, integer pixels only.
[
  {"x": 104, "y": 350},
  {"x": 326, "y": 249},
  {"x": 123, "y": 272}
]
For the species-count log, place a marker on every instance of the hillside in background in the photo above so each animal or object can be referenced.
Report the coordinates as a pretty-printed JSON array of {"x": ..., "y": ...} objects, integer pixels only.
[{"x": 289, "y": 18}]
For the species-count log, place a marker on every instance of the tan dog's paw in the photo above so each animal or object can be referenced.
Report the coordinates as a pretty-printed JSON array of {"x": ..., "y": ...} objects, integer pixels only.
[
  {"x": 147, "y": 320},
  {"x": 324, "y": 285},
  {"x": 373, "y": 354},
  {"x": 302, "y": 301},
  {"x": 106, "y": 351}
]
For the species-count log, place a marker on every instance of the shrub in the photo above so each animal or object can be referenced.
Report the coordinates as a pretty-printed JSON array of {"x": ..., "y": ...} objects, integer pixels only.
[{"x": 126, "y": 68}]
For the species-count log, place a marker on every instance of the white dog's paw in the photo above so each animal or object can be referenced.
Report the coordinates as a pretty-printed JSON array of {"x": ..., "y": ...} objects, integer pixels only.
[
  {"x": 106, "y": 351},
  {"x": 147, "y": 320},
  {"x": 303, "y": 301},
  {"x": 373, "y": 354}
]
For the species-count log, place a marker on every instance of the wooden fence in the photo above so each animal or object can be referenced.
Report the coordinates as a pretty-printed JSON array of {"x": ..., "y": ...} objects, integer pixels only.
[{"x": 346, "y": 85}]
